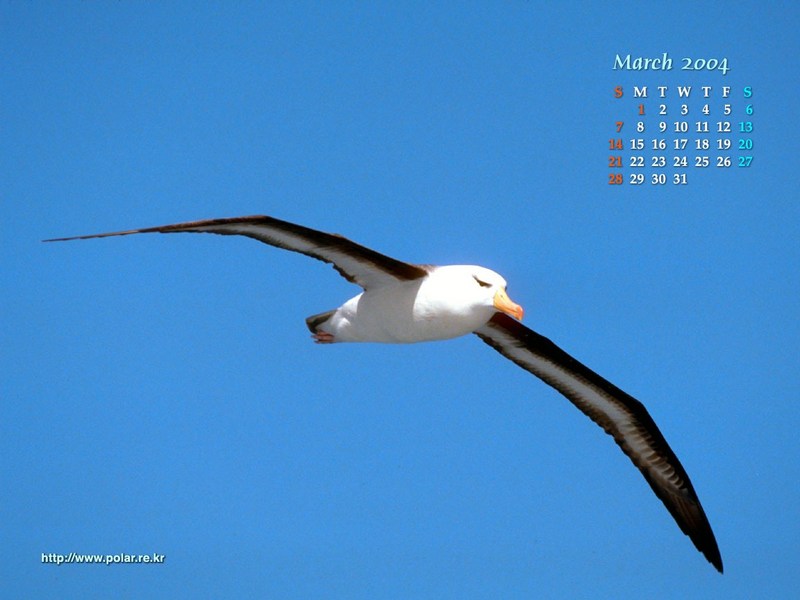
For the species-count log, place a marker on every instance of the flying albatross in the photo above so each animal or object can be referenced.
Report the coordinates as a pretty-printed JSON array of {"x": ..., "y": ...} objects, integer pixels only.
[{"x": 404, "y": 302}]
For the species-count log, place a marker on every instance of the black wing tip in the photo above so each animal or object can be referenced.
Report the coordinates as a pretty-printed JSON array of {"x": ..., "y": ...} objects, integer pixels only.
[
  {"x": 702, "y": 537},
  {"x": 175, "y": 228},
  {"x": 710, "y": 550},
  {"x": 95, "y": 235},
  {"x": 717, "y": 562},
  {"x": 705, "y": 542}
]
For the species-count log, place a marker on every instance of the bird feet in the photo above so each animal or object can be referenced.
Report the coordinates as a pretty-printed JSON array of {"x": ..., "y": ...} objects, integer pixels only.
[{"x": 322, "y": 337}]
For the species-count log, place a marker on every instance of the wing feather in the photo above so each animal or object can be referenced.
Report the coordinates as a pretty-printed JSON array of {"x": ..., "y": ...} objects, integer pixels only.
[
  {"x": 619, "y": 414},
  {"x": 356, "y": 263}
]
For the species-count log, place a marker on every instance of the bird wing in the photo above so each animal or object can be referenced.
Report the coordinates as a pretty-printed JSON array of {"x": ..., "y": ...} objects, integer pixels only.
[
  {"x": 619, "y": 414},
  {"x": 354, "y": 262}
]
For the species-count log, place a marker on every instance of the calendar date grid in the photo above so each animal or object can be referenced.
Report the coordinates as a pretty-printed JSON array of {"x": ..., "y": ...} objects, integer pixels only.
[{"x": 670, "y": 134}]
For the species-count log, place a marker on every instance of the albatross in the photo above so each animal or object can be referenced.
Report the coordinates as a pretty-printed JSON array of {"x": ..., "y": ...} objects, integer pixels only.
[{"x": 403, "y": 303}]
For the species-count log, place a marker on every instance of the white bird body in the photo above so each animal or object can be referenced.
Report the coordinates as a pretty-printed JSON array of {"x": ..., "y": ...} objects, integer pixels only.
[{"x": 449, "y": 302}]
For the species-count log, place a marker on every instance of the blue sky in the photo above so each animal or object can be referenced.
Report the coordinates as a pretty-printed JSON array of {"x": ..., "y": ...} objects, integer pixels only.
[{"x": 161, "y": 394}]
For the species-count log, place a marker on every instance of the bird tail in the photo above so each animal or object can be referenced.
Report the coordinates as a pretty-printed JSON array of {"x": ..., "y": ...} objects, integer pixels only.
[{"x": 314, "y": 321}]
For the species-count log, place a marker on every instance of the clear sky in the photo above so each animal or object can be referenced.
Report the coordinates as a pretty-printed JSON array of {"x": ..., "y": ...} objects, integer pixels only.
[{"x": 160, "y": 394}]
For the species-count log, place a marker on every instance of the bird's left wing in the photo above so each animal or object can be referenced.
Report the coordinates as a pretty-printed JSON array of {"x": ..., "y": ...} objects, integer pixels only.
[
  {"x": 356, "y": 263},
  {"x": 619, "y": 414}
]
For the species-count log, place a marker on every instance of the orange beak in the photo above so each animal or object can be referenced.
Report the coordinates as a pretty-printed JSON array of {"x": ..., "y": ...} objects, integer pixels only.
[{"x": 504, "y": 304}]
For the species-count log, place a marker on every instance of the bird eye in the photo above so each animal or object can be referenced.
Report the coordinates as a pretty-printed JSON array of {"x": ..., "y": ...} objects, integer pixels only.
[{"x": 482, "y": 283}]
